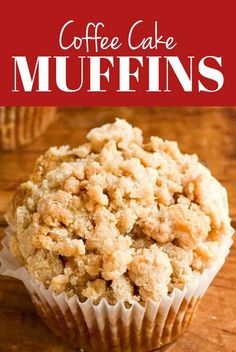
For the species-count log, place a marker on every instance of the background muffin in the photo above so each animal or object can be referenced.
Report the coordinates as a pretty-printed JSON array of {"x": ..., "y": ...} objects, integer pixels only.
[{"x": 20, "y": 125}]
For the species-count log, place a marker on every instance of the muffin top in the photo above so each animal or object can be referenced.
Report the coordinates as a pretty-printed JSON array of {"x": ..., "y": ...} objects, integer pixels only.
[{"x": 118, "y": 219}]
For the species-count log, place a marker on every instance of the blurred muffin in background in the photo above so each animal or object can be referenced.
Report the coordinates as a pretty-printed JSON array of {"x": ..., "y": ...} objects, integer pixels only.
[{"x": 21, "y": 125}]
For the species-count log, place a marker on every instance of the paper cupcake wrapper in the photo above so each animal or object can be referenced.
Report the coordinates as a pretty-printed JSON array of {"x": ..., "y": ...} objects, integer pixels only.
[
  {"x": 104, "y": 327},
  {"x": 20, "y": 125}
]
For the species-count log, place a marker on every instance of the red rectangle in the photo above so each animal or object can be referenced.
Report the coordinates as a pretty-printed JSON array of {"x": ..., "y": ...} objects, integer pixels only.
[{"x": 199, "y": 29}]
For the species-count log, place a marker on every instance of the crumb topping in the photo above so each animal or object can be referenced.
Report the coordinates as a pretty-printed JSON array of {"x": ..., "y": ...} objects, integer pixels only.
[{"x": 117, "y": 218}]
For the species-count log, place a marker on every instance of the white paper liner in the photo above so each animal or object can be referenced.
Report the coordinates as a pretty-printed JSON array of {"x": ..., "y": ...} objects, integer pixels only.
[{"x": 104, "y": 327}]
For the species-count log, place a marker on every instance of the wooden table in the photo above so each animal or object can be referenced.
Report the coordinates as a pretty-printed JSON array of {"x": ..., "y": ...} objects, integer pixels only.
[{"x": 209, "y": 132}]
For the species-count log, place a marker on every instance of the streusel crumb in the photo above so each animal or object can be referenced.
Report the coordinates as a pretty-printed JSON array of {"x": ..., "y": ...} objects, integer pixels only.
[{"x": 118, "y": 219}]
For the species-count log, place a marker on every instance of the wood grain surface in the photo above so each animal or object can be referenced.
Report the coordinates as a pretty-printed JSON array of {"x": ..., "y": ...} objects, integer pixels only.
[{"x": 209, "y": 132}]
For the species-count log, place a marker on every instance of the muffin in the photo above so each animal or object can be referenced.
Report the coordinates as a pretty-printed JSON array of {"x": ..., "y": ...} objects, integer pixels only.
[
  {"x": 117, "y": 240},
  {"x": 21, "y": 125}
]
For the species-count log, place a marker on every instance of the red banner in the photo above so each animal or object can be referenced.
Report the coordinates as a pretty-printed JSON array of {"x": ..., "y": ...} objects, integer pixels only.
[{"x": 117, "y": 53}]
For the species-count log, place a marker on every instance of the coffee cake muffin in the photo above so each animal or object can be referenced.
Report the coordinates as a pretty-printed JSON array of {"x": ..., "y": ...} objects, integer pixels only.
[{"x": 117, "y": 234}]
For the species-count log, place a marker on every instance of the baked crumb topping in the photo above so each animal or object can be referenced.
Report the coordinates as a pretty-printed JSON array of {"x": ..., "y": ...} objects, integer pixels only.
[{"x": 118, "y": 219}]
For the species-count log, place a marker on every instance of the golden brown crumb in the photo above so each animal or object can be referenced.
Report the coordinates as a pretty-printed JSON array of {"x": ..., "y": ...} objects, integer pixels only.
[
  {"x": 150, "y": 270},
  {"x": 118, "y": 219},
  {"x": 95, "y": 290}
]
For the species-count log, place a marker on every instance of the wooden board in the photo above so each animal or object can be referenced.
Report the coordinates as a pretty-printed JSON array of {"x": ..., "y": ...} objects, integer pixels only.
[{"x": 209, "y": 132}]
